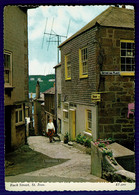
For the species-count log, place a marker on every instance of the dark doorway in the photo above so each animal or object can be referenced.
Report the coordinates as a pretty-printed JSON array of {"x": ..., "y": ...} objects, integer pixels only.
[{"x": 7, "y": 129}]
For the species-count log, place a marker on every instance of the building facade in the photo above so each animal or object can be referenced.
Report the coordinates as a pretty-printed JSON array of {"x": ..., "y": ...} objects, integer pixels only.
[
  {"x": 58, "y": 97},
  {"x": 97, "y": 72},
  {"x": 15, "y": 75},
  {"x": 49, "y": 105}
]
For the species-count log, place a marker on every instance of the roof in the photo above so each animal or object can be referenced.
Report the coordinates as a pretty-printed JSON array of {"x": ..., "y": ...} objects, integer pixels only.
[
  {"x": 57, "y": 65},
  {"x": 111, "y": 17},
  {"x": 50, "y": 91}
]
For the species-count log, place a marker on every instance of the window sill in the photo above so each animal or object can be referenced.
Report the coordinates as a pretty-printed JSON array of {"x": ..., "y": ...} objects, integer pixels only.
[
  {"x": 67, "y": 79},
  {"x": 127, "y": 73},
  {"x": 83, "y": 76},
  {"x": 8, "y": 87},
  {"x": 19, "y": 124},
  {"x": 87, "y": 133},
  {"x": 65, "y": 120}
]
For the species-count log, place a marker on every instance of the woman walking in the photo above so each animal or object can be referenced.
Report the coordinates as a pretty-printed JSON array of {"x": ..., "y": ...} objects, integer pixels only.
[{"x": 50, "y": 129}]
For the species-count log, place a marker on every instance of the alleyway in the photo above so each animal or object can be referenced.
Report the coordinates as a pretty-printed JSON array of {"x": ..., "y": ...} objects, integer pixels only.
[{"x": 76, "y": 169}]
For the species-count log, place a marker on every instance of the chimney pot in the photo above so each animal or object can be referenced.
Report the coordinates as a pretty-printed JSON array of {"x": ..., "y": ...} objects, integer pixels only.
[{"x": 123, "y": 6}]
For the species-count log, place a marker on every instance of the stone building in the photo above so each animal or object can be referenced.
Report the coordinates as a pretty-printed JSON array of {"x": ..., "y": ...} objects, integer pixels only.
[
  {"x": 97, "y": 72},
  {"x": 49, "y": 104},
  {"x": 15, "y": 75},
  {"x": 38, "y": 101}
]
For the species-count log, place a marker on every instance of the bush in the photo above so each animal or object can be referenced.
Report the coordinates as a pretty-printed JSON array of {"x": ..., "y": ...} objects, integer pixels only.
[
  {"x": 83, "y": 140},
  {"x": 77, "y": 139},
  {"x": 88, "y": 143}
]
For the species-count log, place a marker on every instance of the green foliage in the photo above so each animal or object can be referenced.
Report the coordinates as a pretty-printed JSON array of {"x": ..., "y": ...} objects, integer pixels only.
[
  {"x": 45, "y": 85},
  {"x": 66, "y": 135},
  {"x": 77, "y": 139},
  {"x": 102, "y": 145},
  {"x": 88, "y": 143},
  {"x": 83, "y": 140},
  {"x": 107, "y": 152}
]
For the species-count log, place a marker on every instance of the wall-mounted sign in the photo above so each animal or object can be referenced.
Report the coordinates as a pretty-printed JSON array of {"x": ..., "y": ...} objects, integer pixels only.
[
  {"x": 95, "y": 97},
  {"x": 110, "y": 72}
]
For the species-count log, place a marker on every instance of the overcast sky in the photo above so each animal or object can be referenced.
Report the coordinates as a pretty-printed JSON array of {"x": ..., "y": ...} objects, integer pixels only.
[{"x": 43, "y": 55}]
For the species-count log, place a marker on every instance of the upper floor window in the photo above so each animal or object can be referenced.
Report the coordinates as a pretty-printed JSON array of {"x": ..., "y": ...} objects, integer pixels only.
[
  {"x": 68, "y": 67},
  {"x": 19, "y": 114},
  {"x": 83, "y": 62},
  {"x": 127, "y": 55},
  {"x": 8, "y": 68}
]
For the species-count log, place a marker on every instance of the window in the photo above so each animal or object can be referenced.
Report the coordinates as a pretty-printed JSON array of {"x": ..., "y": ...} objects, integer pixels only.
[
  {"x": 83, "y": 62},
  {"x": 66, "y": 111},
  {"x": 127, "y": 56},
  {"x": 89, "y": 120},
  {"x": 8, "y": 68},
  {"x": 59, "y": 100},
  {"x": 19, "y": 114},
  {"x": 68, "y": 67}
]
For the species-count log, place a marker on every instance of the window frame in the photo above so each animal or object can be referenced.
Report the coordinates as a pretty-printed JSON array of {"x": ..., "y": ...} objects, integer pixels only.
[
  {"x": 9, "y": 53},
  {"x": 81, "y": 74},
  {"x": 18, "y": 110},
  {"x": 126, "y": 72},
  {"x": 67, "y": 77},
  {"x": 66, "y": 111},
  {"x": 88, "y": 129}
]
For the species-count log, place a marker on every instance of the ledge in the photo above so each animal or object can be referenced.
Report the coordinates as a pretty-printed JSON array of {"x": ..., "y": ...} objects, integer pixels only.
[
  {"x": 87, "y": 133},
  {"x": 83, "y": 76},
  {"x": 127, "y": 73},
  {"x": 9, "y": 87},
  {"x": 20, "y": 124}
]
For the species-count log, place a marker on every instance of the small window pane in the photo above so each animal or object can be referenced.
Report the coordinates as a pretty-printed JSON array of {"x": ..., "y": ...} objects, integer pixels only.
[
  {"x": 123, "y": 68},
  {"x": 6, "y": 61},
  {"x": 123, "y": 45},
  {"x": 6, "y": 76},
  {"x": 16, "y": 116},
  {"x": 20, "y": 115}
]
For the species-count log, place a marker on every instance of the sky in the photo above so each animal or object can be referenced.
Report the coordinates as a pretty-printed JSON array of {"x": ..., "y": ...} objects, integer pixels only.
[{"x": 59, "y": 20}]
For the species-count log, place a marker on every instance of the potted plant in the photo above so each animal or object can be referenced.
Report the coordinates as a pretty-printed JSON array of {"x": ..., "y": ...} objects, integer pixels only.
[{"x": 66, "y": 138}]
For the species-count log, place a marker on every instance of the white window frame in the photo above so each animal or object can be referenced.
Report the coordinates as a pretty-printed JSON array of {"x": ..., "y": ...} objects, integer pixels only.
[
  {"x": 17, "y": 119},
  {"x": 129, "y": 54},
  {"x": 8, "y": 69},
  {"x": 88, "y": 120},
  {"x": 83, "y": 62},
  {"x": 66, "y": 111},
  {"x": 68, "y": 67}
]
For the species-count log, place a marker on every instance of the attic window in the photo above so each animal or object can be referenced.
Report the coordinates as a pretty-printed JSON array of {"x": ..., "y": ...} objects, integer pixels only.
[{"x": 127, "y": 55}]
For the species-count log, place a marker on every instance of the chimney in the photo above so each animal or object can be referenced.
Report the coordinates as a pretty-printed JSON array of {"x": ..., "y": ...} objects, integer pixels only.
[
  {"x": 37, "y": 90},
  {"x": 117, "y": 5},
  {"x": 123, "y": 6}
]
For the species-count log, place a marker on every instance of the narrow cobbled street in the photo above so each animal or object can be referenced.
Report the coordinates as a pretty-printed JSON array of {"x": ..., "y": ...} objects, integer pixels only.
[{"x": 75, "y": 169}]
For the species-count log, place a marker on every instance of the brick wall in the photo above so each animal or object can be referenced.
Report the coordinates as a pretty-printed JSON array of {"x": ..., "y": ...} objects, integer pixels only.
[
  {"x": 113, "y": 108},
  {"x": 79, "y": 90}
]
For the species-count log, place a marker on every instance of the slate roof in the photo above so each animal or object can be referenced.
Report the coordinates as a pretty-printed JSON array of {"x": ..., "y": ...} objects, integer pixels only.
[
  {"x": 111, "y": 17},
  {"x": 50, "y": 91}
]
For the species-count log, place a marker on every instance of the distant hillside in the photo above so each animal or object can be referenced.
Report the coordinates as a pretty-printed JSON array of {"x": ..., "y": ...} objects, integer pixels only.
[{"x": 46, "y": 82}]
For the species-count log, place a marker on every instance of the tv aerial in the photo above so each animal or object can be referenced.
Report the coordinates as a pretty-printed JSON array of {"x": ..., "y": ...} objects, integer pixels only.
[{"x": 54, "y": 37}]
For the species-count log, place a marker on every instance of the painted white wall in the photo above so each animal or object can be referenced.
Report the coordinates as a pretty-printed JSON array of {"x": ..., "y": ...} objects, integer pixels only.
[{"x": 80, "y": 120}]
